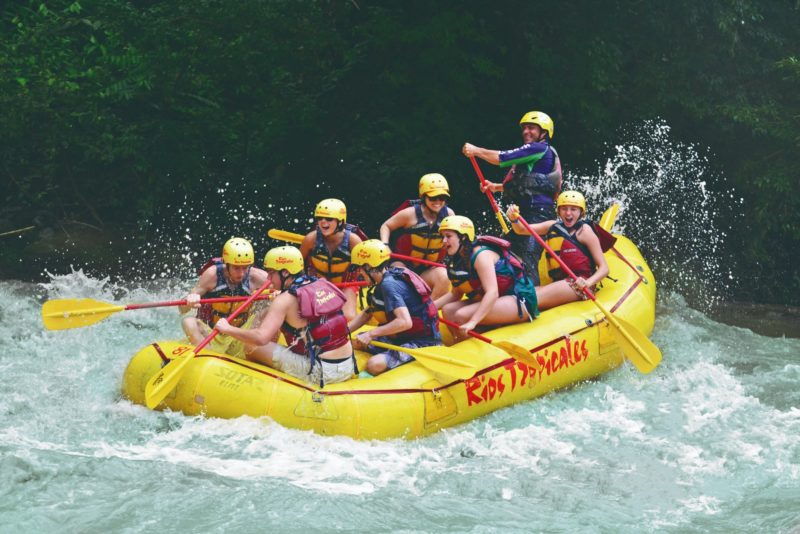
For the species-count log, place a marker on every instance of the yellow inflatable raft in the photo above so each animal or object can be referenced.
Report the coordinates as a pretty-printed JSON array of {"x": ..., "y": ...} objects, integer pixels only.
[{"x": 572, "y": 343}]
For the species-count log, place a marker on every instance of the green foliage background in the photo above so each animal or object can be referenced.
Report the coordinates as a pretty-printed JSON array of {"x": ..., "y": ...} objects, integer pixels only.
[{"x": 111, "y": 109}]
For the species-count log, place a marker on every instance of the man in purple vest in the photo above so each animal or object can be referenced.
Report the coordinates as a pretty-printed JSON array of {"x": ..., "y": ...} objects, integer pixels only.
[{"x": 532, "y": 183}]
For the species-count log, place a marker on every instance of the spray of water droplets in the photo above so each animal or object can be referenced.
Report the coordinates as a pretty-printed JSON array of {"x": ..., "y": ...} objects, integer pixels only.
[
  {"x": 190, "y": 233},
  {"x": 673, "y": 206}
]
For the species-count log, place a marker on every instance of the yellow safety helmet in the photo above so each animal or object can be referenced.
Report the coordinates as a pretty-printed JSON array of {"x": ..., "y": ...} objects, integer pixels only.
[
  {"x": 459, "y": 224},
  {"x": 238, "y": 251},
  {"x": 433, "y": 185},
  {"x": 332, "y": 208},
  {"x": 542, "y": 120},
  {"x": 571, "y": 198},
  {"x": 280, "y": 258},
  {"x": 372, "y": 252}
]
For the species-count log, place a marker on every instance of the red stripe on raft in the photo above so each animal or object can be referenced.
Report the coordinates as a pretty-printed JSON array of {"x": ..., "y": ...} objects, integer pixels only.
[{"x": 238, "y": 362}]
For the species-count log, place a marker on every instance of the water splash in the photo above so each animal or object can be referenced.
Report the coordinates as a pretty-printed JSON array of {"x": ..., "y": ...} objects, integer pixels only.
[
  {"x": 674, "y": 206},
  {"x": 194, "y": 230}
]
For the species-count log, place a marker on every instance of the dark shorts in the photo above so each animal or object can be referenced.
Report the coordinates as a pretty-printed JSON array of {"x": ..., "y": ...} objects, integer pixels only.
[{"x": 396, "y": 358}]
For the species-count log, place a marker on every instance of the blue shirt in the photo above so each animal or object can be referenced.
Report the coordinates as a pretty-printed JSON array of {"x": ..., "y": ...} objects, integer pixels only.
[{"x": 397, "y": 293}]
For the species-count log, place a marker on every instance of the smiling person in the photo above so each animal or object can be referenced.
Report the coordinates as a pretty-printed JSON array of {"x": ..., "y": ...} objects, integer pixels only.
[
  {"x": 574, "y": 240},
  {"x": 231, "y": 275},
  {"x": 308, "y": 312},
  {"x": 532, "y": 183},
  {"x": 326, "y": 249},
  {"x": 493, "y": 279},
  {"x": 413, "y": 230}
]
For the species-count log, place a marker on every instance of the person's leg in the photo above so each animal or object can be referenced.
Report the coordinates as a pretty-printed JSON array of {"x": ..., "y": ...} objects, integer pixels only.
[
  {"x": 377, "y": 364},
  {"x": 528, "y": 249},
  {"x": 505, "y": 311},
  {"x": 555, "y": 294},
  {"x": 193, "y": 328},
  {"x": 266, "y": 355},
  {"x": 436, "y": 278}
]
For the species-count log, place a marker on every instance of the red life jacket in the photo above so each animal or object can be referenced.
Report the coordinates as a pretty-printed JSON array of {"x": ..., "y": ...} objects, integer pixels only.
[
  {"x": 572, "y": 252},
  {"x": 320, "y": 303},
  {"x": 211, "y": 313},
  {"x": 425, "y": 326}
]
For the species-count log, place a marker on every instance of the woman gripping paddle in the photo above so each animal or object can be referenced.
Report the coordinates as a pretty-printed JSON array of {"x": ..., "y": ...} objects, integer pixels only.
[
  {"x": 494, "y": 280},
  {"x": 577, "y": 245}
]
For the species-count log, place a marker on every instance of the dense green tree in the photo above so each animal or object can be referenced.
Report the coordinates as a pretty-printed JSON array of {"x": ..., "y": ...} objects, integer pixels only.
[{"x": 113, "y": 109}]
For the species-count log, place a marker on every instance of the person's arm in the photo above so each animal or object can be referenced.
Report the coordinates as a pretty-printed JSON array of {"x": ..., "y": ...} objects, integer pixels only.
[
  {"x": 354, "y": 240},
  {"x": 268, "y": 328},
  {"x": 490, "y": 156},
  {"x": 484, "y": 265},
  {"x": 541, "y": 228},
  {"x": 205, "y": 283},
  {"x": 589, "y": 239},
  {"x": 451, "y": 296},
  {"x": 400, "y": 323},
  {"x": 401, "y": 219},
  {"x": 258, "y": 277},
  {"x": 359, "y": 320},
  {"x": 309, "y": 241}
]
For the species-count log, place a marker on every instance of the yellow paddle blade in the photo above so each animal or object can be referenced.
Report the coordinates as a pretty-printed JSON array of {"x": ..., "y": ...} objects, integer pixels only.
[
  {"x": 439, "y": 359},
  {"x": 635, "y": 346},
  {"x": 62, "y": 314},
  {"x": 609, "y": 217},
  {"x": 283, "y": 235},
  {"x": 518, "y": 353},
  {"x": 502, "y": 221},
  {"x": 159, "y": 386}
]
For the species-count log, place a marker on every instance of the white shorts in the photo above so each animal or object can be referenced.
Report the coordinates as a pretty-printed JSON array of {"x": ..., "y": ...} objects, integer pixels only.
[{"x": 297, "y": 365}]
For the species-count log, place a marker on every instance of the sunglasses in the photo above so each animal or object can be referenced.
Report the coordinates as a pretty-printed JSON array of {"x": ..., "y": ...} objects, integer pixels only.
[
  {"x": 329, "y": 219},
  {"x": 443, "y": 198}
]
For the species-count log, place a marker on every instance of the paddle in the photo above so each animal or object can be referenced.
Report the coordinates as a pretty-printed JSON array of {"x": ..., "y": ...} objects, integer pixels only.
[
  {"x": 18, "y": 231},
  {"x": 437, "y": 358},
  {"x": 517, "y": 352},
  {"x": 168, "y": 377},
  {"x": 62, "y": 314},
  {"x": 639, "y": 350},
  {"x": 292, "y": 237},
  {"x": 489, "y": 195}
]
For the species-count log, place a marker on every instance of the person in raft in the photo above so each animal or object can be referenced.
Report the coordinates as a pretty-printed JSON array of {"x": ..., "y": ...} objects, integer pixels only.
[
  {"x": 231, "y": 275},
  {"x": 532, "y": 183},
  {"x": 494, "y": 280},
  {"x": 400, "y": 301},
  {"x": 576, "y": 243},
  {"x": 308, "y": 312},
  {"x": 413, "y": 230},
  {"x": 326, "y": 249}
]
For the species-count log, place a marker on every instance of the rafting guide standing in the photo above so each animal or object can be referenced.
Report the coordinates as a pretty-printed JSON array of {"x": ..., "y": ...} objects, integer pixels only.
[{"x": 532, "y": 183}]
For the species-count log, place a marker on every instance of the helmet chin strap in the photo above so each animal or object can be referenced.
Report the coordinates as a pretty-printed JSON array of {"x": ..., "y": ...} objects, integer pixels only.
[
  {"x": 284, "y": 278},
  {"x": 370, "y": 272}
]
